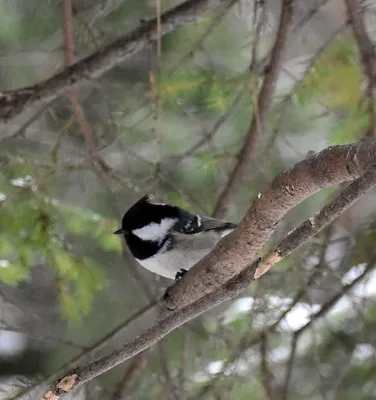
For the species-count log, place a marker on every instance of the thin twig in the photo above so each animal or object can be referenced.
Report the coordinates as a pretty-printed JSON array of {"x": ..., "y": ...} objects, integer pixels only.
[
  {"x": 209, "y": 136},
  {"x": 258, "y": 120},
  {"x": 324, "y": 309},
  {"x": 42, "y": 336},
  {"x": 368, "y": 56},
  {"x": 265, "y": 372},
  {"x": 213, "y": 24},
  {"x": 85, "y": 127},
  {"x": 20, "y": 132},
  {"x": 138, "y": 364},
  {"x": 290, "y": 365},
  {"x": 170, "y": 385}
]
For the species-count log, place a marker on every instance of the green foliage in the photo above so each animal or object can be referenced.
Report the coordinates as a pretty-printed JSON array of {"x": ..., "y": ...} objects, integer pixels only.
[
  {"x": 365, "y": 238},
  {"x": 335, "y": 78},
  {"x": 199, "y": 87},
  {"x": 26, "y": 31},
  {"x": 37, "y": 231},
  {"x": 89, "y": 225},
  {"x": 245, "y": 389},
  {"x": 364, "y": 373},
  {"x": 80, "y": 281},
  {"x": 351, "y": 129}
]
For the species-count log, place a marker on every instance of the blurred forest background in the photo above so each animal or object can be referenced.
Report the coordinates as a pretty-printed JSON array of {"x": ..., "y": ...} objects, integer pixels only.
[{"x": 170, "y": 121}]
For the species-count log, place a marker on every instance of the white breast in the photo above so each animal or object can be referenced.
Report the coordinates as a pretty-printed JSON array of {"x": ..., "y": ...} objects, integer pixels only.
[{"x": 184, "y": 254}]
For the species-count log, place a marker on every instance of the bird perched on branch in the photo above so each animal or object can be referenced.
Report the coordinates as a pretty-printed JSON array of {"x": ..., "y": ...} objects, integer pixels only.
[{"x": 167, "y": 240}]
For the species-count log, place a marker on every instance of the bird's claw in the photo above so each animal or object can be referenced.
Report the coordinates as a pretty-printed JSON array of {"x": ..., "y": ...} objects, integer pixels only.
[{"x": 180, "y": 274}]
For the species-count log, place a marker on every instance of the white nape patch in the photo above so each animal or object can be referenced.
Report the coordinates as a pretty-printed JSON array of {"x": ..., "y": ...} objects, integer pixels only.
[
  {"x": 149, "y": 199},
  {"x": 155, "y": 232}
]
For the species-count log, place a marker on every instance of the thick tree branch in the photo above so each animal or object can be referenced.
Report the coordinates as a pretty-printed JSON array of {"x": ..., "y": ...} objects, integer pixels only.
[
  {"x": 14, "y": 102},
  {"x": 259, "y": 114},
  {"x": 151, "y": 336},
  {"x": 330, "y": 167},
  {"x": 282, "y": 194},
  {"x": 367, "y": 54}
]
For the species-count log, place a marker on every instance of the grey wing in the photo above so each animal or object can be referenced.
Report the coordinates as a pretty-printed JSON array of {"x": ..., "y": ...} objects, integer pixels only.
[{"x": 189, "y": 224}]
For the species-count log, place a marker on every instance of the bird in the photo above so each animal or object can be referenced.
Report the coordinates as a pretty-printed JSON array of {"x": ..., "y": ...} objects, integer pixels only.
[{"x": 168, "y": 240}]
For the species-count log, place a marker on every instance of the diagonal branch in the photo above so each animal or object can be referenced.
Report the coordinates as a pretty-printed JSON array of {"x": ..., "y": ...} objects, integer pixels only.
[
  {"x": 368, "y": 56},
  {"x": 241, "y": 281},
  {"x": 233, "y": 253},
  {"x": 260, "y": 112},
  {"x": 14, "y": 102}
]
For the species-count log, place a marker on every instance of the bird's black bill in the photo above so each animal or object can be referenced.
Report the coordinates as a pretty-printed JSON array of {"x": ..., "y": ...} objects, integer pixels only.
[{"x": 120, "y": 231}]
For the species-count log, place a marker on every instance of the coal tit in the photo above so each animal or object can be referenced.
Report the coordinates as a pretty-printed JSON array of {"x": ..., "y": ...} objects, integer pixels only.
[{"x": 168, "y": 240}]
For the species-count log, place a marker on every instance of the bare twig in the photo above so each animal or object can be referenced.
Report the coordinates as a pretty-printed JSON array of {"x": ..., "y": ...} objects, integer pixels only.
[
  {"x": 168, "y": 380},
  {"x": 235, "y": 285},
  {"x": 368, "y": 56},
  {"x": 184, "y": 358},
  {"x": 324, "y": 309},
  {"x": 13, "y": 103},
  {"x": 265, "y": 372},
  {"x": 20, "y": 131},
  {"x": 69, "y": 60},
  {"x": 220, "y": 121},
  {"x": 214, "y": 23},
  {"x": 42, "y": 336},
  {"x": 299, "y": 83},
  {"x": 290, "y": 365},
  {"x": 260, "y": 113},
  {"x": 138, "y": 364}
]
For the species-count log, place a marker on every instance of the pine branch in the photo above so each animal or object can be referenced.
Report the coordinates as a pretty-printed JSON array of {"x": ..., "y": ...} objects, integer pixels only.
[{"x": 14, "y": 102}]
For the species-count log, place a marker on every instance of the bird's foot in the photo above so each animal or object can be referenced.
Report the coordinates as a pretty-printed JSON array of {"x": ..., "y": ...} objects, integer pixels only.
[
  {"x": 166, "y": 296},
  {"x": 180, "y": 274}
]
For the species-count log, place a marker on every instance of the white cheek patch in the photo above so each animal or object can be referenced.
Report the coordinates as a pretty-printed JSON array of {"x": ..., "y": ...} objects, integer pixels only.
[{"x": 155, "y": 231}]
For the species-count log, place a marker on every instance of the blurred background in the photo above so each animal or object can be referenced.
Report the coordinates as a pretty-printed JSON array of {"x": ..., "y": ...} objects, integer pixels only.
[{"x": 170, "y": 121}]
